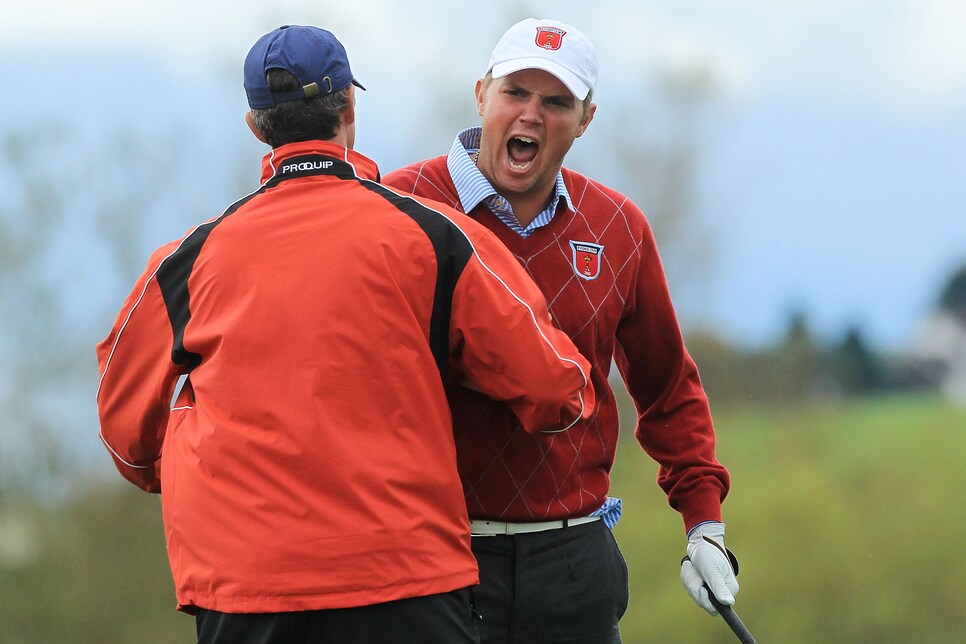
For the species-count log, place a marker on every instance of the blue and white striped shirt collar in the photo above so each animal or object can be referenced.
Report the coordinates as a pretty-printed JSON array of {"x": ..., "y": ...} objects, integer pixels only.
[{"x": 473, "y": 188}]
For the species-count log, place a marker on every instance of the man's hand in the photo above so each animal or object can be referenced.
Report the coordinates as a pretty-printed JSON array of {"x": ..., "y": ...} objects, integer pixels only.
[{"x": 709, "y": 565}]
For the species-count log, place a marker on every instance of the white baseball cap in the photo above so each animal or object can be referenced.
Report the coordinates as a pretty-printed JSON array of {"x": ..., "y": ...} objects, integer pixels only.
[{"x": 552, "y": 46}]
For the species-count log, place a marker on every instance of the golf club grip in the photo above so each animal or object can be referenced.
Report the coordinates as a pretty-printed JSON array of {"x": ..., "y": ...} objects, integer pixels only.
[{"x": 731, "y": 617}]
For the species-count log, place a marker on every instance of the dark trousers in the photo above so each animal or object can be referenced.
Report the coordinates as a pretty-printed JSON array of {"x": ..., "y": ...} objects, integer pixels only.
[
  {"x": 553, "y": 587},
  {"x": 447, "y": 618}
]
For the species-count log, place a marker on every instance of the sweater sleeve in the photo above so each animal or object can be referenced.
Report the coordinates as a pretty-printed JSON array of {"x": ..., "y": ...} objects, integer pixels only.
[
  {"x": 137, "y": 380},
  {"x": 506, "y": 345},
  {"x": 674, "y": 419}
]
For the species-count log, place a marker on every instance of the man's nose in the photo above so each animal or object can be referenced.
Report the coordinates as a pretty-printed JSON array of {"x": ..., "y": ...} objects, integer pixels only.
[{"x": 532, "y": 111}]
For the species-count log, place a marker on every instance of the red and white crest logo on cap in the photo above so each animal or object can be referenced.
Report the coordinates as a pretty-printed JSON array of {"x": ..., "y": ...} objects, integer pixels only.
[
  {"x": 549, "y": 37},
  {"x": 586, "y": 259}
]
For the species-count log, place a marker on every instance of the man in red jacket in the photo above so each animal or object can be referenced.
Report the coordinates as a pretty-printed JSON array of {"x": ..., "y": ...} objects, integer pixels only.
[
  {"x": 307, "y": 467},
  {"x": 550, "y": 570}
]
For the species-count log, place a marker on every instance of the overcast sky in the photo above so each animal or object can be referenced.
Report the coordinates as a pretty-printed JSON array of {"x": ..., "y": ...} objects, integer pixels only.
[
  {"x": 906, "y": 55},
  {"x": 835, "y": 175}
]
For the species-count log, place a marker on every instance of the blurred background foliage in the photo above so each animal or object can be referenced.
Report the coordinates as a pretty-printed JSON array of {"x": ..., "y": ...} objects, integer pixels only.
[{"x": 843, "y": 516}]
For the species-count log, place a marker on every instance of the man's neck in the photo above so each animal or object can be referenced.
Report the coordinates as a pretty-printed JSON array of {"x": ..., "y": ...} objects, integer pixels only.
[{"x": 527, "y": 206}]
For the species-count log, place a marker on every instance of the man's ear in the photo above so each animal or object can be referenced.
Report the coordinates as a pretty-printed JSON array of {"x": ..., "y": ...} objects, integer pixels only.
[
  {"x": 588, "y": 117},
  {"x": 480, "y": 91},
  {"x": 349, "y": 113},
  {"x": 251, "y": 125}
]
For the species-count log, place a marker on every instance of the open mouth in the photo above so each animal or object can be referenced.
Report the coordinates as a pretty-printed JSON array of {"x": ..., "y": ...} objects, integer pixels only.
[{"x": 521, "y": 152}]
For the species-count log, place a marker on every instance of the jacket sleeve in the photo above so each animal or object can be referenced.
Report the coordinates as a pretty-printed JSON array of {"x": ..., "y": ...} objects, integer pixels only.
[
  {"x": 137, "y": 381},
  {"x": 504, "y": 342},
  {"x": 674, "y": 419}
]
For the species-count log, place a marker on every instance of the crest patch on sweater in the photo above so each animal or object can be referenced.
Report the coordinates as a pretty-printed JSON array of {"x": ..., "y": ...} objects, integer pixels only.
[{"x": 586, "y": 259}]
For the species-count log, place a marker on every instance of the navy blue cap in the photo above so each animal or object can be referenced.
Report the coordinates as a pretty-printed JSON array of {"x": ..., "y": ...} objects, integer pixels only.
[{"x": 313, "y": 56}]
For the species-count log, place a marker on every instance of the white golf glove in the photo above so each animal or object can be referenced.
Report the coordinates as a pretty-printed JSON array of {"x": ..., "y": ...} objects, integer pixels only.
[{"x": 709, "y": 565}]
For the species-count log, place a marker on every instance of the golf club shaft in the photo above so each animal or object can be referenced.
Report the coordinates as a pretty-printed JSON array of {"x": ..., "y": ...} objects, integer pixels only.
[{"x": 731, "y": 617}]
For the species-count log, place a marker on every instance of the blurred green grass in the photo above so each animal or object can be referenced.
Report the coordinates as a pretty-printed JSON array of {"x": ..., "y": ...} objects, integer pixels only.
[{"x": 848, "y": 520}]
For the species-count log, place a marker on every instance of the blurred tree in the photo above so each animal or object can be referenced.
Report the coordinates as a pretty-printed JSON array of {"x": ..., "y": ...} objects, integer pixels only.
[
  {"x": 799, "y": 361},
  {"x": 854, "y": 366},
  {"x": 726, "y": 372},
  {"x": 952, "y": 299},
  {"x": 32, "y": 320},
  {"x": 943, "y": 344},
  {"x": 798, "y": 337}
]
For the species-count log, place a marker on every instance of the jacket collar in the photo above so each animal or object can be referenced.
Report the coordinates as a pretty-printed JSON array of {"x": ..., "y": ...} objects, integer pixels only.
[{"x": 362, "y": 166}]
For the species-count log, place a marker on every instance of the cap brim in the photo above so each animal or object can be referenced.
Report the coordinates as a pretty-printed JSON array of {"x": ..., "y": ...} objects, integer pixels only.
[
  {"x": 576, "y": 86},
  {"x": 358, "y": 84}
]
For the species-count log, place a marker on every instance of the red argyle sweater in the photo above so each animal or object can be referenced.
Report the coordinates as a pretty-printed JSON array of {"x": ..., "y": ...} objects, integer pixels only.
[{"x": 599, "y": 269}]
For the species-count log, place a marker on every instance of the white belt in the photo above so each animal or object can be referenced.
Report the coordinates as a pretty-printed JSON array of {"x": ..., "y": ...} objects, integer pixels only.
[{"x": 480, "y": 528}]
